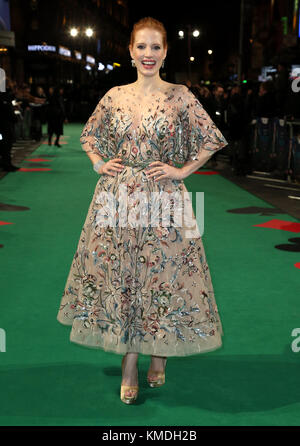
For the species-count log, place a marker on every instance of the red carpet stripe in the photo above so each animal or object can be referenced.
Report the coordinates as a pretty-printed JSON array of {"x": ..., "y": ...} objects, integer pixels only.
[
  {"x": 281, "y": 224},
  {"x": 208, "y": 172},
  {"x": 32, "y": 169}
]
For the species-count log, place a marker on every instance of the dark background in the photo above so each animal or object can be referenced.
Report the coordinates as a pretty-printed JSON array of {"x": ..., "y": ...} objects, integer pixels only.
[{"x": 217, "y": 21}]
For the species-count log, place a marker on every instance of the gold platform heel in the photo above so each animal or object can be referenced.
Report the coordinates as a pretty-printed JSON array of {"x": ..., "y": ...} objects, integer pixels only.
[
  {"x": 134, "y": 390},
  {"x": 156, "y": 379}
]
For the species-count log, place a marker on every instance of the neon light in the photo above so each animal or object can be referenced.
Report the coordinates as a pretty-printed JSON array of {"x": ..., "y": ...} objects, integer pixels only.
[
  {"x": 41, "y": 48},
  {"x": 64, "y": 51},
  {"x": 285, "y": 25},
  {"x": 90, "y": 59}
]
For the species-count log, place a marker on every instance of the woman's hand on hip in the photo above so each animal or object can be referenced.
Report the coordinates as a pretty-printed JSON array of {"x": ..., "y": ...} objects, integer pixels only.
[
  {"x": 111, "y": 166},
  {"x": 161, "y": 170}
]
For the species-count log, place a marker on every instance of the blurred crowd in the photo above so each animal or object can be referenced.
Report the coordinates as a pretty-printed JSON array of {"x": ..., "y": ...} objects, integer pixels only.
[
  {"x": 233, "y": 108},
  {"x": 25, "y": 108}
]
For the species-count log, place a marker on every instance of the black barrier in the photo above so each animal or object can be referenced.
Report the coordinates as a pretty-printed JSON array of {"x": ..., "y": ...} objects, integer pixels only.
[
  {"x": 275, "y": 146},
  {"x": 294, "y": 150},
  {"x": 281, "y": 145},
  {"x": 262, "y": 147}
]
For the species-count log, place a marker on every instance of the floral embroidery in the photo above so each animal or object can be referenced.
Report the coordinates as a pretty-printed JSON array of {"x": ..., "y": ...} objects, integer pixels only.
[{"x": 148, "y": 288}]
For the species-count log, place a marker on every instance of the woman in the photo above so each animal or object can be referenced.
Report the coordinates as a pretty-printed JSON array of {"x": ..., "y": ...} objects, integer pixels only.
[
  {"x": 143, "y": 290},
  {"x": 55, "y": 115},
  {"x": 38, "y": 111}
]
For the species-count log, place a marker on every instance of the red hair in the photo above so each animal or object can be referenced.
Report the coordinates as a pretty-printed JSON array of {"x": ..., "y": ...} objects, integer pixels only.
[{"x": 149, "y": 22}]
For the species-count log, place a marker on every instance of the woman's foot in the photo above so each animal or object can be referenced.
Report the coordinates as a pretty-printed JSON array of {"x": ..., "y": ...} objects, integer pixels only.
[
  {"x": 129, "y": 370},
  {"x": 156, "y": 372},
  {"x": 129, "y": 384},
  {"x": 158, "y": 363}
]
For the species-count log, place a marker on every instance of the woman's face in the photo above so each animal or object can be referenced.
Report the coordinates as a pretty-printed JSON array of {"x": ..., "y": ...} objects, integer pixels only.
[{"x": 148, "y": 46}]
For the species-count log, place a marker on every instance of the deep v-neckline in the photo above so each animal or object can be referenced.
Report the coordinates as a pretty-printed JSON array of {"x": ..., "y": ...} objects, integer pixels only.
[{"x": 142, "y": 110}]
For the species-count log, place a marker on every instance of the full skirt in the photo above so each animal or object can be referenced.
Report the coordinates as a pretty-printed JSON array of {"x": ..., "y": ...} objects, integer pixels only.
[{"x": 145, "y": 288}]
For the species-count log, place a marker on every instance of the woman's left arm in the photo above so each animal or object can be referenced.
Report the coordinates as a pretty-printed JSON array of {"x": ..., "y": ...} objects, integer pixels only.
[
  {"x": 201, "y": 138},
  {"x": 191, "y": 166}
]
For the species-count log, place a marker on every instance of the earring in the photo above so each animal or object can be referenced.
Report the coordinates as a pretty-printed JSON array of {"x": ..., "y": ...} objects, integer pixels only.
[
  {"x": 133, "y": 62},
  {"x": 163, "y": 63}
]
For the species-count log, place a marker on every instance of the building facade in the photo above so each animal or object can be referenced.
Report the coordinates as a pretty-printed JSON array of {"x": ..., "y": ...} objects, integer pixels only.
[{"x": 45, "y": 52}]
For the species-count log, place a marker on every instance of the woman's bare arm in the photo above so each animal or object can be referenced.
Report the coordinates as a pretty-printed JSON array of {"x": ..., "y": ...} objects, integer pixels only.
[{"x": 191, "y": 166}]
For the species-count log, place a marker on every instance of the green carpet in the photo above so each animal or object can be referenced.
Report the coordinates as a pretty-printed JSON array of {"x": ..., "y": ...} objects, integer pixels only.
[{"x": 47, "y": 380}]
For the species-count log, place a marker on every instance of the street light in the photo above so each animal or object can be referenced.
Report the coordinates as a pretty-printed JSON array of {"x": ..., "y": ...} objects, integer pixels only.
[
  {"x": 74, "y": 32},
  {"x": 77, "y": 33},
  {"x": 89, "y": 32},
  {"x": 195, "y": 33},
  {"x": 209, "y": 51}
]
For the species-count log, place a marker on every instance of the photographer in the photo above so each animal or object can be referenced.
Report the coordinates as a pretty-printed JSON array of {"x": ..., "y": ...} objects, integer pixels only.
[{"x": 7, "y": 122}]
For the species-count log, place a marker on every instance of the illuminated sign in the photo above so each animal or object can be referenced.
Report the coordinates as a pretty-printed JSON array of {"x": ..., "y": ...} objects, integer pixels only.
[
  {"x": 78, "y": 55},
  {"x": 64, "y": 51},
  {"x": 42, "y": 48},
  {"x": 90, "y": 59},
  {"x": 109, "y": 67},
  {"x": 101, "y": 66},
  {"x": 295, "y": 71},
  {"x": 285, "y": 25}
]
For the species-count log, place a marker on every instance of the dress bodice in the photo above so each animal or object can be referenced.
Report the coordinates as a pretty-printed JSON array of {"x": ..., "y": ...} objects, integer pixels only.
[{"x": 170, "y": 125}]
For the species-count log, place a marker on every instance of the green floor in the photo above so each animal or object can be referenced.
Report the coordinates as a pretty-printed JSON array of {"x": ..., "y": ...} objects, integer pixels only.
[{"x": 47, "y": 380}]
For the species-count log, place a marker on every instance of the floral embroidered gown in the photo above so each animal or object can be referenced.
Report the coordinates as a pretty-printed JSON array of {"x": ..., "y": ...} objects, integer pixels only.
[{"x": 143, "y": 288}]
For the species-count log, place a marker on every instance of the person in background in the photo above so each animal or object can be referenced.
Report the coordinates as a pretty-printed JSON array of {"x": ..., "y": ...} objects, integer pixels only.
[
  {"x": 38, "y": 114},
  {"x": 236, "y": 121},
  {"x": 218, "y": 107},
  {"x": 26, "y": 111},
  {"x": 7, "y": 122},
  {"x": 281, "y": 86},
  {"x": 265, "y": 104},
  {"x": 206, "y": 100},
  {"x": 55, "y": 115}
]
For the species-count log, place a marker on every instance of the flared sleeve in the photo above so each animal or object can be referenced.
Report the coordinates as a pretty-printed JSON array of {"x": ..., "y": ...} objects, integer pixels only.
[
  {"x": 195, "y": 130},
  {"x": 96, "y": 136}
]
